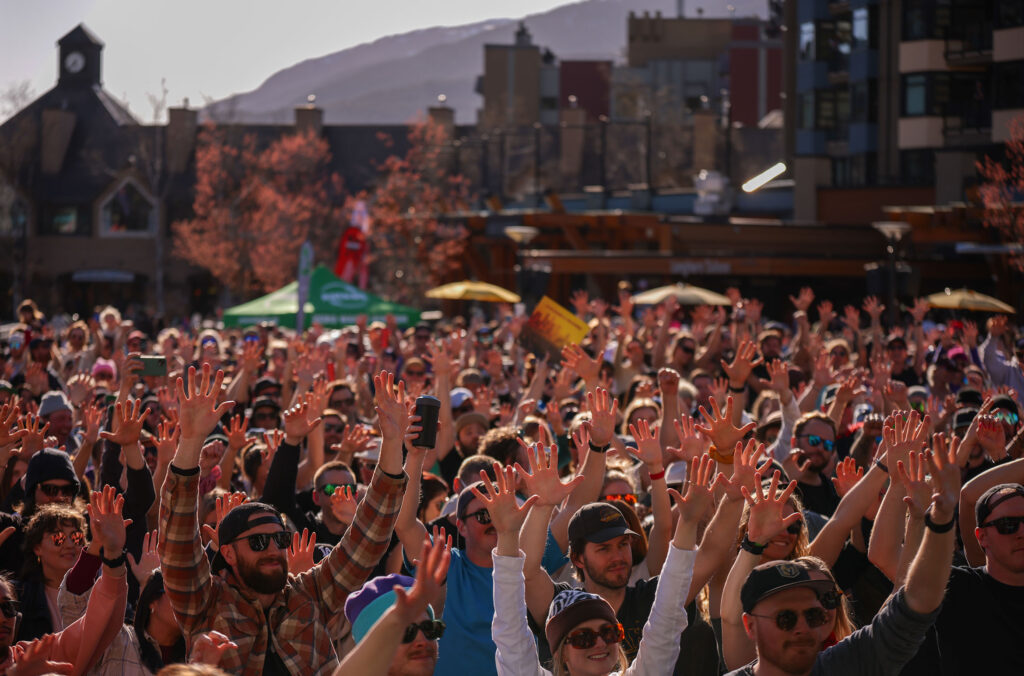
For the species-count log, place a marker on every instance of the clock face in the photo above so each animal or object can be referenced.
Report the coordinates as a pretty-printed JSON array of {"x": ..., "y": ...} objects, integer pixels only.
[{"x": 74, "y": 62}]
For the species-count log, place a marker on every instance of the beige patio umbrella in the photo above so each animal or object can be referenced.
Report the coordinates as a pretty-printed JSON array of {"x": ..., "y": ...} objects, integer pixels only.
[
  {"x": 686, "y": 294},
  {"x": 966, "y": 299},
  {"x": 470, "y": 290}
]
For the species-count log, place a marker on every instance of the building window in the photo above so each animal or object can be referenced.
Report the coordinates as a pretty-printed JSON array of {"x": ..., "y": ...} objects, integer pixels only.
[
  {"x": 1009, "y": 13},
  {"x": 925, "y": 19},
  {"x": 127, "y": 212},
  {"x": 915, "y": 95},
  {"x": 60, "y": 219},
  {"x": 864, "y": 101},
  {"x": 13, "y": 212},
  {"x": 807, "y": 111},
  {"x": 807, "y": 41},
  {"x": 1007, "y": 91},
  {"x": 918, "y": 167},
  {"x": 865, "y": 27}
]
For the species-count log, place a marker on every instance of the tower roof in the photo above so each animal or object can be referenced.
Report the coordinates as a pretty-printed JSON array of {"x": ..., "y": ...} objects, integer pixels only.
[{"x": 80, "y": 35}]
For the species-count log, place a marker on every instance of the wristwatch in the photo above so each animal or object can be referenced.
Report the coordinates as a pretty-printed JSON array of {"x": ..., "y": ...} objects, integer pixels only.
[{"x": 752, "y": 547}]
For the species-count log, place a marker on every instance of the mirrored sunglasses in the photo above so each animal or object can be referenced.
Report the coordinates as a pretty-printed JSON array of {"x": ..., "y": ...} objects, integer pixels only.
[
  {"x": 1007, "y": 525},
  {"x": 60, "y": 537},
  {"x": 814, "y": 440}
]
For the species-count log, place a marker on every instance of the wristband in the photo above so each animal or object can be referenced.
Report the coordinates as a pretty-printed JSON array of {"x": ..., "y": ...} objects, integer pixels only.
[
  {"x": 881, "y": 465},
  {"x": 658, "y": 475},
  {"x": 598, "y": 449},
  {"x": 736, "y": 390},
  {"x": 938, "y": 527},
  {"x": 114, "y": 563},
  {"x": 719, "y": 458},
  {"x": 752, "y": 547}
]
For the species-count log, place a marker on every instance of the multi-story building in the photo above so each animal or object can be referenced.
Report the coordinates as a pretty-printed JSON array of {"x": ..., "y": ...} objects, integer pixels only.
[{"x": 901, "y": 94}]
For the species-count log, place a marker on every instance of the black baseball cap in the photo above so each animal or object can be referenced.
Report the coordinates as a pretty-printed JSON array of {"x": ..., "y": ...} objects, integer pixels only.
[
  {"x": 994, "y": 497},
  {"x": 964, "y": 417},
  {"x": 240, "y": 519},
  {"x": 598, "y": 522},
  {"x": 771, "y": 578}
]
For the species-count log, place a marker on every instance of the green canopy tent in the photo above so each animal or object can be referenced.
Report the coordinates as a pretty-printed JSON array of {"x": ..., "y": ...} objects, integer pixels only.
[{"x": 332, "y": 303}]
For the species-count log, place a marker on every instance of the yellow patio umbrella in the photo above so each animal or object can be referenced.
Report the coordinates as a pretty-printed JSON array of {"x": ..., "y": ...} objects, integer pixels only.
[
  {"x": 966, "y": 299},
  {"x": 470, "y": 290},
  {"x": 686, "y": 294}
]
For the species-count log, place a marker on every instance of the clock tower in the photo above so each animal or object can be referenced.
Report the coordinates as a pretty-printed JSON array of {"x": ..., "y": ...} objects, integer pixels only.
[{"x": 79, "y": 60}]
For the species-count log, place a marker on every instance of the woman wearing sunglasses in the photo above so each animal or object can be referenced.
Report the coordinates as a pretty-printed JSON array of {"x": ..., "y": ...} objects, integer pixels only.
[
  {"x": 582, "y": 628},
  {"x": 54, "y": 538}
]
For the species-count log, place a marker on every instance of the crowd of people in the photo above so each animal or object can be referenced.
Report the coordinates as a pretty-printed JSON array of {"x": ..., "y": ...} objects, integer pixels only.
[{"x": 696, "y": 491}]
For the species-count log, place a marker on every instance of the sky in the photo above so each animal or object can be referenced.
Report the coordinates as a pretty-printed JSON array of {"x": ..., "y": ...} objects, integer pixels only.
[{"x": 212, "y": 48}]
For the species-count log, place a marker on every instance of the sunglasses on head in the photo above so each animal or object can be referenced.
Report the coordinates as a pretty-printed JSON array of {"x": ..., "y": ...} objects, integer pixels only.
[
  {"x": 786, "y": 620},
  {"x": 1007, "y": 525},
  {"x": 482, "y": 516},
  {"x": 9, "y": 608},
  {"x": 432, "y": 630},
  {"x": 60, "y": 537},
  {"x": 331, "y": 489},
  {"x": 53, "y": 490},
  {"x": 260, "y": 541},
  {"x": 628, "y": 498},
  {"x": 814, "y": 440},
  {"x": 586, "y": 638}
]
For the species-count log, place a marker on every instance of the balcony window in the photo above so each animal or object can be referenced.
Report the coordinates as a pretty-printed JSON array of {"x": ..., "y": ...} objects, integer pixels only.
[
  {"x": 915, "y": 95},
  {"x": 925, "y": 19},
  {"x": 1007, "y": 91},
  {"x": 128, "y": 212},
  {"x": 1009, "y": 13}
]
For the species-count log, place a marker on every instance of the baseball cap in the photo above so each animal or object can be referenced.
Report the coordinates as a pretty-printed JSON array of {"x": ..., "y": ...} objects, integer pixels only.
[
  {"x": 240, "y": 519},
  {"x": 571, "y": 607},
  {"x": 994, "y": 497},
  {"x": 459, "y": 396},
  {"x": 964, "y": 417},
  {"x": 364, "y": 607},
  {"x": 771, "y": 578},
  {"x": 598, "y": 522}
]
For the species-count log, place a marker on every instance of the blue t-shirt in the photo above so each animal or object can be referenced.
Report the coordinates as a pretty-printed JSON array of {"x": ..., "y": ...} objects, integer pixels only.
[{"x": 466, "y": 647}]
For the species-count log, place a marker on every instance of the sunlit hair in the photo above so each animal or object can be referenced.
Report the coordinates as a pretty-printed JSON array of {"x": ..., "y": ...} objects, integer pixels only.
[
  {"x": 560, "y": 668},
  {"x": 763, "y": 400},
  {"x": 844, "y": 625},
  {"x": 633, "y": 407},
  {"x": 637, "y": 543},
  {"x": 801, "y": 546},
  {"x": 431, "y": 486},
  {"x": 617, "y": 475},
  {"x": 806, "y": 418}
]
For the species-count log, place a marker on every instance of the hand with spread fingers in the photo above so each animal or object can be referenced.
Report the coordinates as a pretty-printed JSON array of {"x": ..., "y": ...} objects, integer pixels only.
[
  {"x": 648, "y": 449},
  {"x": 945, "y": 479},
  {"x": 148, "y": 561},
  {"x": 198, "y": 410},
  {"x": 847, "y": 476},
  {"x": 499, "y": 499},
  {"x": 8, "y": 417},
  {"x": 766, "y": 520},
  {"x": 912, "y": 476},
  {"x": 431, "y": 574},
  {"x": 300, "y": 552},
  {"x": 692, "y": 444},
  {"x": 542, "y": 479},
  {"x": 745, "y": 360},
  {"x": 603, "y": 411},
  {"x": 695, "y": 504},
  {"x": 719, "y": 427},
  {"x": 210, "y": 647},
  {"x": 745, "y": 469},
  {"x": 129, "y": 418},
  {"x": 106, "y": 522}
]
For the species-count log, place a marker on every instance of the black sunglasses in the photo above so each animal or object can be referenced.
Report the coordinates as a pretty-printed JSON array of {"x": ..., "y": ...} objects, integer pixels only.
[
  {"x": 53, "y": 490},
  {"x": 586, "y": 638},
  {"x": 794, "y": 528},
  {"x": 432, "y": 630},
  {"x": 261, "y": 541},
  {"x": 688, "y": 349},
  {"x": 1007, "y": 525},
  {"x": 9, "y": 608},
  {"x": 482, "y": 516},
  {"x": 786, "y": 620}
]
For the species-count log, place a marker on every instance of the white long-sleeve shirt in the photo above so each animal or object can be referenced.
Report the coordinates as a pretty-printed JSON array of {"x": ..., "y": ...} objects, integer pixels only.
[{"x": 659, "y": 648}]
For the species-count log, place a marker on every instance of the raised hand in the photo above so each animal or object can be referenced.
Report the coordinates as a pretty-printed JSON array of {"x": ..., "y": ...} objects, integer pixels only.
[
  {"x": 237, "y": 428},
  {"x": 209, "y": 648},
  {"x": 873, "y": 307},
  {"x": 719, "y": 428},
  {"x": 272, "y": 441},
  {"x": 920, "y": 309},
  {"x": 803, "y": 300},
  {"x": 318, "y": 397},
  {"x": 692, "y": 444},
  {"x": 167, "y": 434},
  {"x": 745, "y": 360},
  {"x": 129, "y": 417},
  {"x": 698, "y": 499},
  {"x": 585, "y": 366},
  {"x": 80, "y": 388},
  {"x": 580, "y": 300},
  {"x": 825, "y": 314},
  {"x": 945, "y": 479},
  {"x": 34, "y": 436},
  {"x": 221, "y": 507},
  {"x": 542, "y": 479},
  {"x": 668, "y": 382},
  {"x": 603, "y": 410},
  {"x": 392, "y": 414},
  {"x": 148, "y": 561},
  {"x": 912, "y": 476},
  {"x": 851, "y": 317},
  {"x": 431, "y": 574},
  {"x": 354, "y": 438},
  {"x": 745, "y": 469},
  {"x": 33, "y": 658},
  {"x": 648, "y": 447},
  {"x": 778, "y": 379},
  {"x": 343, "y": 503},
  {"x": 8, "y": 417},
  {"x": 847, "y": 476},
  {"x": 297, "y": 423},
  {"x": 500, "y": 500},
  {"x": 105, "y": 520},
  {"x": 766, "y": 520},
  {"x": 300, "y": 552},
  {"x": 198, "y": 409}
]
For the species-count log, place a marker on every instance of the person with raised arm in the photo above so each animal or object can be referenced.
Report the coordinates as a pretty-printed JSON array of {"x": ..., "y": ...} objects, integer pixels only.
[{"x": 280, "y": 623}]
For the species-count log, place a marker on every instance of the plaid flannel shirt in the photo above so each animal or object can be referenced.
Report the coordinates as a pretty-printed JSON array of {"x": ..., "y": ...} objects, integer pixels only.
[{"x": 300, "y": 619}]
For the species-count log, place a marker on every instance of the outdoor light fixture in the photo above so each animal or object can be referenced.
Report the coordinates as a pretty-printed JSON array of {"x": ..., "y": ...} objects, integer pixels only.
[
  {"x": 892, "y": 230},
  {"x": 764, "y": 177},
  {"x": 521, "y": 234}
]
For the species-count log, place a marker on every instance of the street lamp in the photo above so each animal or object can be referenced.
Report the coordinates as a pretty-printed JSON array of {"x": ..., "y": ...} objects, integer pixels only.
[
  {"x": 522, "y": 235},
  {"x": 893, "y": 231}
]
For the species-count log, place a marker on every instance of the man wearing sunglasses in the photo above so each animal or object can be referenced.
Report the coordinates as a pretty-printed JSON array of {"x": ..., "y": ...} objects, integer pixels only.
[
  {"x": 281, "y": 624},
  {"x": 789, "y": 615},
  {"x": 814, "y": 450}
]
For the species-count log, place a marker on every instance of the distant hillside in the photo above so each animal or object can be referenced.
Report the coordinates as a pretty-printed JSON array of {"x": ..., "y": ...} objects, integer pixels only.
[{"x": 391, "y": 80}]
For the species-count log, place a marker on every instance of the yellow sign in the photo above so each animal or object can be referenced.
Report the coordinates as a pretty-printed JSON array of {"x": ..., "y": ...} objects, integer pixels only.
[{"x": 551, "y": 327}]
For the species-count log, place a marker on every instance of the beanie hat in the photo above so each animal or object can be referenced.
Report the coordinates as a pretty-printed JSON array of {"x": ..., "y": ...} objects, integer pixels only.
[
  {"x": 364, "y": 607},
  {"x": 52, "y": 402},
  {"x": 47, "y": 464},
  {"x": 571, "y": 607}
]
